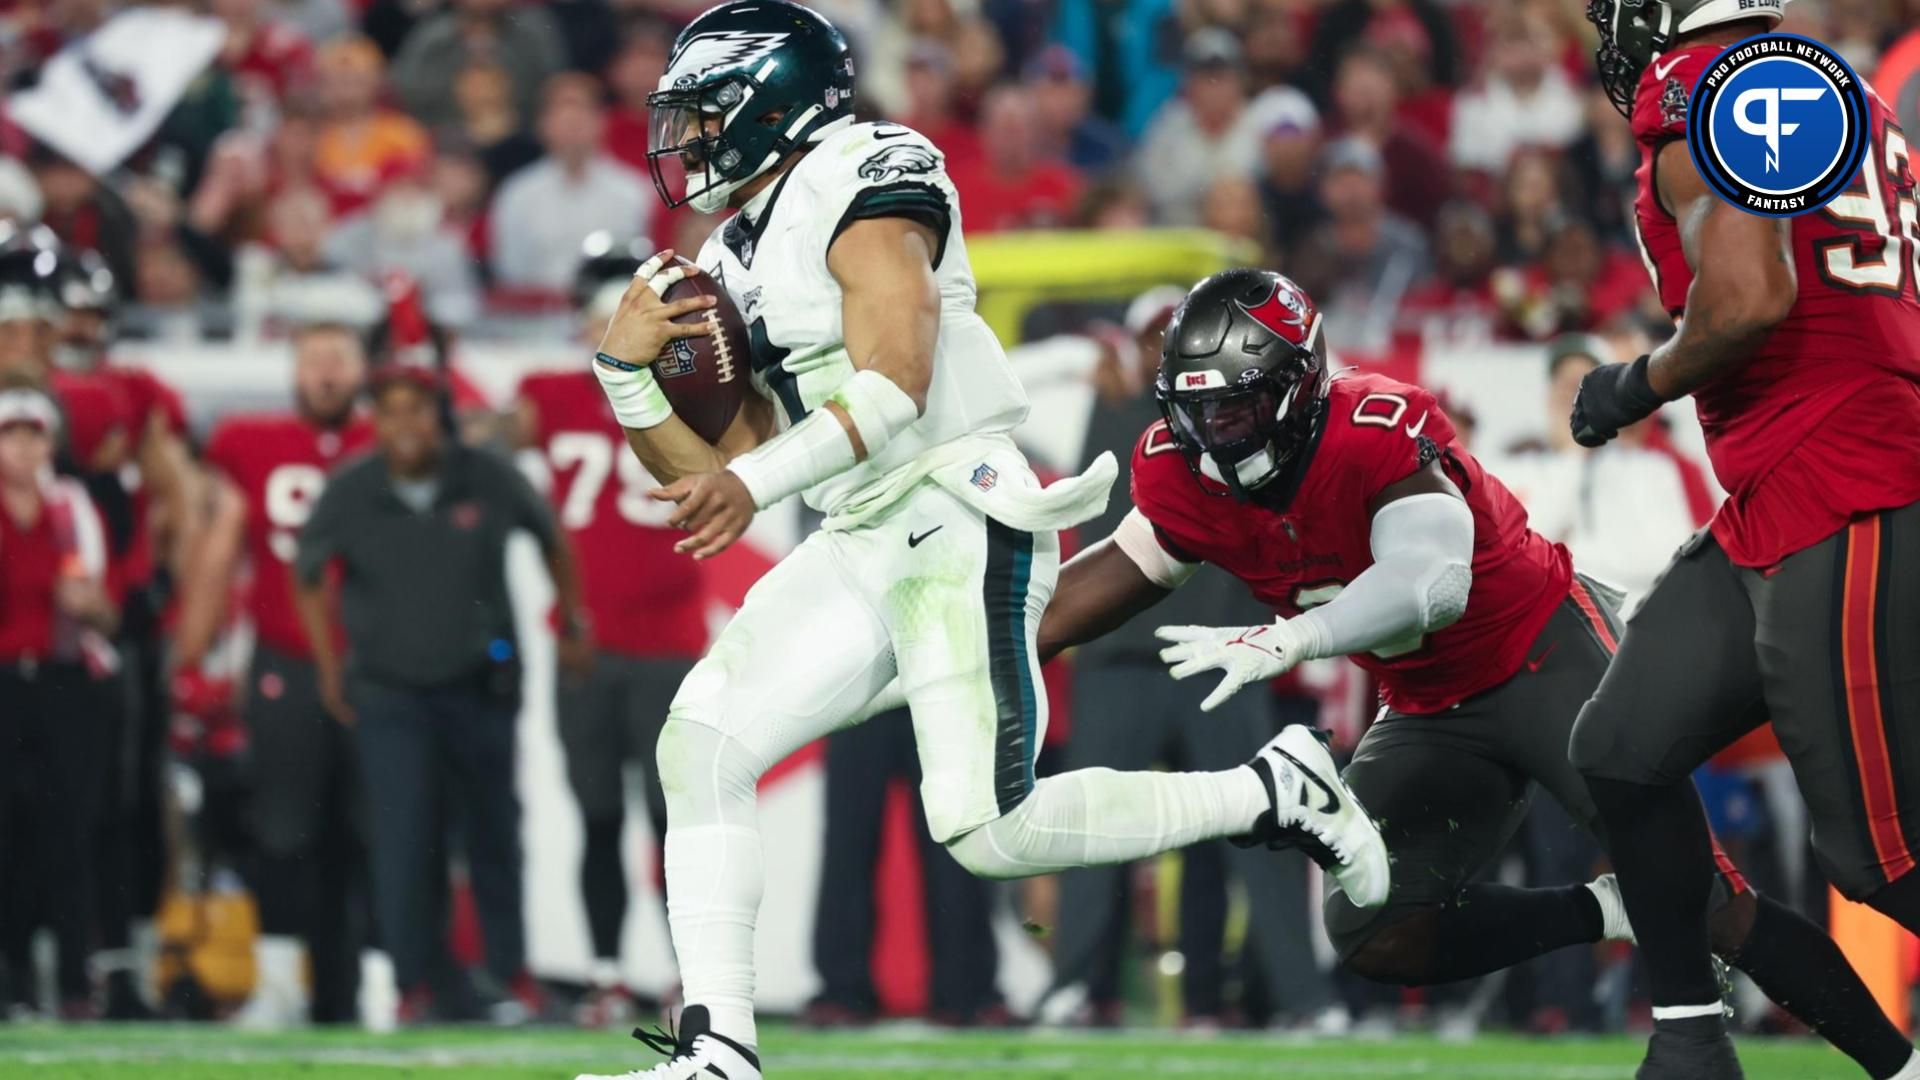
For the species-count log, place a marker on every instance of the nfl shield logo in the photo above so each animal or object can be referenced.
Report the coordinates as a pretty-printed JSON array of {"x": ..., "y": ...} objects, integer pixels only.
[
  {"x": 678, "y": 361},
  {"x": 985, "y": 477}
]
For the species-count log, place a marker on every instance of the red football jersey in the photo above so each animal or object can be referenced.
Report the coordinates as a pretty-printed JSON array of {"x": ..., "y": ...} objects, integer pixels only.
[
  {"x": 280, "y": 463},
  {"x": 1378, "y": 431},
  {"x": 1824, "y": 423},
  {"x": 146, "y": 396},
  {"x": 96, "y": 412},
  {"x": 645, "y": 600}
]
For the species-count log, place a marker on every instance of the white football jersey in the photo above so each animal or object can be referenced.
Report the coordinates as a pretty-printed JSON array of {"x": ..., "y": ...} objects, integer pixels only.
[{"x": 771, "y": 257}]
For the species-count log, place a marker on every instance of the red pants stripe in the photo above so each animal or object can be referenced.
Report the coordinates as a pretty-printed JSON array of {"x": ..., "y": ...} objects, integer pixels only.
[
  {"x": 1865, "y": 719},
  {"x": 1584, "y": 600}
]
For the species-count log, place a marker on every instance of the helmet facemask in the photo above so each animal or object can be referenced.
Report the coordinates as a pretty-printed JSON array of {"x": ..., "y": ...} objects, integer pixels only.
[
  {"x": 1245, "y": 436},
  {"x": 693, "y": 125},
  {"x": 722, "y": 142},
  {"x": 1632, "y": 33}
]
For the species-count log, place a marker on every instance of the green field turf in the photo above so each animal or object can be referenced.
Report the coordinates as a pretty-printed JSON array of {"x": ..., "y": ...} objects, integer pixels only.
[{"x": 897, "y": 1053}]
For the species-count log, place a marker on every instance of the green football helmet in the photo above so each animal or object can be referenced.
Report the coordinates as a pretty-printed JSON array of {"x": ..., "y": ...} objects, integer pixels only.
[
  {"x": 1633, "y": 32},
  {"x": 748, "y": 82}
]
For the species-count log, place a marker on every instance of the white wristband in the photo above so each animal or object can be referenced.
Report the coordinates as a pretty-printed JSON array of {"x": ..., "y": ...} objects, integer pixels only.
[
  {"x": 878, "y": 408},
  {"x": 796, "y": 459},
  {"x": 819, "y": 447},
  {"x": 636, "y": 397}
]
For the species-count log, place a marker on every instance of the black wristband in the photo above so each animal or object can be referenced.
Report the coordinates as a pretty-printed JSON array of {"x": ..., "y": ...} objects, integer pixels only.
[
  {"x": 1638, "y": 386},
  {"x": 616, "y": 363}
]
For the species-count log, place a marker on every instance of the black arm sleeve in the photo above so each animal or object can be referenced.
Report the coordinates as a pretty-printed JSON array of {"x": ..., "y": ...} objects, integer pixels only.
[
  {"x": 528, "y": 510},
  {"x": 320, "y": 537},
  {"x": 915, "y": 200}
]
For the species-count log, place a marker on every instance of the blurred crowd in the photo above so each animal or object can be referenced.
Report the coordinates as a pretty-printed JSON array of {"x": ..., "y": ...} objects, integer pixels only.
[
  {"x": 1438, "y": 174},
  {"x": 1430, "y": 169}
]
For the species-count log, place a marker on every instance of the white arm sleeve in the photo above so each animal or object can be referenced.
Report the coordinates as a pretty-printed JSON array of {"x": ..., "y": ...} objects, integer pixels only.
[
  {"x": 1422, "y": 569},
  {"x": 1134, "y": 535}
]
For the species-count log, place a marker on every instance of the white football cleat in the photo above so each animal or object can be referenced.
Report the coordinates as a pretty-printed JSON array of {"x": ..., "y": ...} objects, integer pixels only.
[
  {"x": 269, "y": 1009},
  {"x": 1313, "y": 810},
  {"x": 279, "y": 998},
  {"x": 1613, "y": 909},
  {"x": 693, "y": 1052}
]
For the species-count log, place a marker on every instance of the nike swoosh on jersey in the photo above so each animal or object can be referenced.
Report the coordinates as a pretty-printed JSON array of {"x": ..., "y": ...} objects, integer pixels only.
[
  {"x": 891, "y": 134},
  {"x": 1661, "y": 72},
  {"x": 1414, "y": 430},
  {"x": 914, "y": 541}
]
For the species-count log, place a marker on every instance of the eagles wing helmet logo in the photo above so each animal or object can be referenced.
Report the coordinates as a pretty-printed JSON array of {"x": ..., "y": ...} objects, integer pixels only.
[
  {"x": 894, "y": 162},
  {"x": 729, "y": 48}
]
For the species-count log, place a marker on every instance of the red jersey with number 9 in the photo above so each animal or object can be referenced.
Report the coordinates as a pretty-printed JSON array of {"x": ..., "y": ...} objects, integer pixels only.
[
  {"x": 1377, "y": 432},
  {"x": 1824, "y": 423},
  {"x": 280, "y": 464},
  {"x": 645, "y": 599}
]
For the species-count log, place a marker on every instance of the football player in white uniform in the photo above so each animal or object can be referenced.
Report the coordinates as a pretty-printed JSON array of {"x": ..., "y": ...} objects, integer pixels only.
[{"x": 892, "y": 403}]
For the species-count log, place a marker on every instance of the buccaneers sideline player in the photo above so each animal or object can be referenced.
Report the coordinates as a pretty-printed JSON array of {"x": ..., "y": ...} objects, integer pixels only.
[
  {"x": 303, "y": 808},
  {"x": 1800, "y": 344},
  {"x": 1348, "y": 505},
  {"x": 154, "y": 510}
]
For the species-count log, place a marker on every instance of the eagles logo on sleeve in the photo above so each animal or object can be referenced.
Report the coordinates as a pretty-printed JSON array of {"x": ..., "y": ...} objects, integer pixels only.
[{"x": 894, "y": 162}]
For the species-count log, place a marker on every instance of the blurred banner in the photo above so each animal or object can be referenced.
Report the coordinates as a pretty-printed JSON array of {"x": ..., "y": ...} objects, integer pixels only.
[
  {"x": 102, "y": 97},
  {"x": 1018, "y": 272}
]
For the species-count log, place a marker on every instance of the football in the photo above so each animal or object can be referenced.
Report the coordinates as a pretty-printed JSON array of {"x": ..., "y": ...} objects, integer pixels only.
[{"x": 705, "y": 378}]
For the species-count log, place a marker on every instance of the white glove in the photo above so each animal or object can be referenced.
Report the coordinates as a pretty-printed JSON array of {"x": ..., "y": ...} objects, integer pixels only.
[{"x": 1247, "y": 654}]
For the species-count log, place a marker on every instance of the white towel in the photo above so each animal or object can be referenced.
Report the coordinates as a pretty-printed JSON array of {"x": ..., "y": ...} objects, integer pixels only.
[{"x": 989, "y": 473}]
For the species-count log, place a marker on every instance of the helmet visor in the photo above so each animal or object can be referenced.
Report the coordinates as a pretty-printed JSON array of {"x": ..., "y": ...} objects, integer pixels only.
[
  {"x": 675, "y": 129},
  {"x": 1223, "y": 422},
  {"x": 686, "y": 134}
]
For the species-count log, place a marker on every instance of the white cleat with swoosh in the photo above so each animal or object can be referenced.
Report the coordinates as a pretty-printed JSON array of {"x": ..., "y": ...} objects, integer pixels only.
[{"x": 1314, "y": 811}]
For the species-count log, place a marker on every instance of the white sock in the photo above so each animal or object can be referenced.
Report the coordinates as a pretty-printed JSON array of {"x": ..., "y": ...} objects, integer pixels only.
[
  {"x": 1687, "y": 1012},
  {"x": 605, "y": 974},
  {"x": 379, "y": 1000},
  {"x": 714, "y": 880},
  {"x": 1095, "y": 816},
  {"x": 713, "y": 867},
  {"x": 1909, "y": 1071},
  {"x": 277, "y": 967}
]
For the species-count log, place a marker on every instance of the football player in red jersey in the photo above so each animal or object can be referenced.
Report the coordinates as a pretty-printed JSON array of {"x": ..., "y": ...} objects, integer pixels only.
[
  {"x": 271, "y": 469},
  {"x": 1348, "y": 504},
  {"x": 159, "y": 499},
  {"x": 157, "y": 433},
  {"x": 96, "y": 416},
  {"x": 96, "y": 438},
  {"x": 1800, "y": 345},
  {"x": 648, "y": 611}
]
